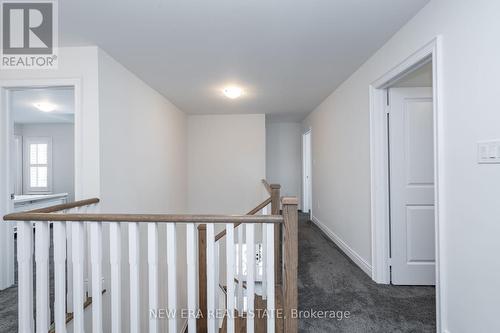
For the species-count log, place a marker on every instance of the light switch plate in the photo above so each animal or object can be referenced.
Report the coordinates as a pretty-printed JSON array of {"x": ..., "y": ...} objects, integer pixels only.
[{"x": 488, "y": 152}]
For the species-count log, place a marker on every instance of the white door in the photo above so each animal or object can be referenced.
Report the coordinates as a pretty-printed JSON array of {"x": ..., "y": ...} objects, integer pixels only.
[
  {"x": 306, "y": 177},
  {"x": 411, "y": 158}
]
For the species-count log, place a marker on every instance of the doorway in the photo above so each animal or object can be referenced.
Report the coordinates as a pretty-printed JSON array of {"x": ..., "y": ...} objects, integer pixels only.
[
  {"x": 417, "y": 213},
  {"x": 306, "y": 173},
  {"x": 38, "y": 156}
]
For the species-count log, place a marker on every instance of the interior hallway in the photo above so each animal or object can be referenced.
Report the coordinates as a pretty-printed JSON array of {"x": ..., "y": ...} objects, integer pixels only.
[{"x": 329, "y": 280}]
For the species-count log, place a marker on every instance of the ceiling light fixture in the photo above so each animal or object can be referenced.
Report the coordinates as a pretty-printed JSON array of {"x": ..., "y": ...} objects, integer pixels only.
[
  {"x": 45, "y": 107},
  {"x": 233, "y": 92}
]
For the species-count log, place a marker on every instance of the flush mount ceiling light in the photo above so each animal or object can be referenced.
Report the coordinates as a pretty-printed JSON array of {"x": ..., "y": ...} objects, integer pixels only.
[
  {"x": 232, "y": 92},
  {"x": 45, "y": 107}
]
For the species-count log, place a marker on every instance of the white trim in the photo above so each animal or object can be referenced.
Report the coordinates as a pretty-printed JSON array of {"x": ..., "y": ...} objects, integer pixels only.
[
  {"x": 378, "y": 165},
  {"x": 351, "y": 253},
  {"x": 310, "y": 203}
]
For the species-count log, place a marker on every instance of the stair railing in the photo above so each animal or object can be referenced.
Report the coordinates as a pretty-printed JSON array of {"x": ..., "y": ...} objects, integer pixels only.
[
  {"x": 71, "y": 219},
  {"x": 279, "y": 246}
]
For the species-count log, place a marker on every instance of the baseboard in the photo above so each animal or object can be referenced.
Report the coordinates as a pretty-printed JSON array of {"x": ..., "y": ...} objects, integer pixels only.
[{"x": 353, "y": 255}]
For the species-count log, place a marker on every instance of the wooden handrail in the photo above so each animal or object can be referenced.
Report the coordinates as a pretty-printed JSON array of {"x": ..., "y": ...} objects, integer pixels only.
[
  {"x": 58, "y": 208},
  {"x": 273, "y": 190},
  {"x": 267, "y": 186},
  {"x": 167, "y": 218},
  {"x": 259, "y": 207},
  {"x": 270, "y": 187},
  {"x": 252, "y": 212}
]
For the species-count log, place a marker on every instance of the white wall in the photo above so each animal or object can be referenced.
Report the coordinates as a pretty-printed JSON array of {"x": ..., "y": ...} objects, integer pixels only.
[
  {"x": 78, "y": 64},
  {"x": 143, "y": 166},
  {"x": 226, "y": 163},
  {"x": 470, "y": 269},
  {"x": 284, "y": 156},
  {"x": 63, "y": 153}
]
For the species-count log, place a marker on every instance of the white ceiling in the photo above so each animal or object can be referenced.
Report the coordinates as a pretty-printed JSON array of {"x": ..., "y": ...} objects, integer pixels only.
[
  {"x": 24, "y": 112},
  {"x": 288, "y": 55}
]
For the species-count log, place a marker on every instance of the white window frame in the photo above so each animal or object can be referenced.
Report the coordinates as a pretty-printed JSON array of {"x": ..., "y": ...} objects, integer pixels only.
[{"x": 27, "y": 164}]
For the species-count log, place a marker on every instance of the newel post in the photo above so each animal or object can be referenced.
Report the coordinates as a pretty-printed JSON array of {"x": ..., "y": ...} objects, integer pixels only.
[
  {"x": 202, "y": 278},
  {"x": 290, "y": 262},
  {"x": 276, "y": 210}
]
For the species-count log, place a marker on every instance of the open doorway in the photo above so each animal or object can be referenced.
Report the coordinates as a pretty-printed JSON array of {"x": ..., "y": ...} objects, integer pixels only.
[
  {"x": 411, "y": 179},
  {"x": 38, "y": 132},
  {"x": 306, "y": 173},
  {"x": 44, "y": 156},
  {"x": 406, "y": 151}
]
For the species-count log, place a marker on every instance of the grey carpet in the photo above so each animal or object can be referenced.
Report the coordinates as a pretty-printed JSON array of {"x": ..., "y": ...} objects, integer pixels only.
[
  {"x": 330, "y": 281},
  {"x": 8, "y": 310},
  {"x": 8, "y": 304}
]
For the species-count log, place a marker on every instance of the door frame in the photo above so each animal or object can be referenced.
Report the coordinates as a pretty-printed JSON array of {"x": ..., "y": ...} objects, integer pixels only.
[
  {"x": 379, "y": 163},
  {"x": 304, "y": 161},
  {"x": 6, "y": 128}
]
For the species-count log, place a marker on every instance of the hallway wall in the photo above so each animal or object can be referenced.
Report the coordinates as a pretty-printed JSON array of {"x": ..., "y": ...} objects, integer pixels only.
[
  {"x": 143, "y": 170},
  {"x": 284, "y": 156},
  {"x": 226, "y": 163},
  {"x": 470, "y": 269},
  {"x": 63, "y": 153}
]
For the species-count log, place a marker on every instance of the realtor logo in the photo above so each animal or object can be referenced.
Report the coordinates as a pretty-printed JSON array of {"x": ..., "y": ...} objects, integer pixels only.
[{"x": 29, "y": 34}]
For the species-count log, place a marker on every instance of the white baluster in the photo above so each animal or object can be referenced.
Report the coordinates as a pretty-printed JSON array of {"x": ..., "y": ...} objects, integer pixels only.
[
  {"x": 153, "y": 274},
  {"x": 217, "y": 285},
  {"x": 69, "y": 263},
  {"x": 218, "y": 322},
  {"x": 116, "y": 282},
  {"x": 78, "y": 286},
  {"x": 133, "y": 257},
  {"x": 240, "y": 291},
  {"x": 250, "y": 230},
  {"x": 191, "y": 275},
  {"x": 264, "y": 261},
  {"x": 96, "y": 262},
  {"x": 211, "y": 292},
  {"x": 230, "y": 274},
  {"x": 88, "y": 248},
  {"x": 25, "y": 268},
  {"x": 42, "y": 275},
  {"x": 271, "y": 307},
  {"x": 172, "y": 276},
  {"x": 60, "y": 276}
]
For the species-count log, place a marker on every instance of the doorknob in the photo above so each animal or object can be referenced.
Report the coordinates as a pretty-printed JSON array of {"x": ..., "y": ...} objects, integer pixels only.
[{"x": 12, "y": 196}]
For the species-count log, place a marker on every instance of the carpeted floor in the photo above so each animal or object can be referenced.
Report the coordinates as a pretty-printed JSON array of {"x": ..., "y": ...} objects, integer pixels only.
[
  {"x": 330, "y": 281},
  {"x": 8, "y": 305},
  {"x": 8, "y": 310}
]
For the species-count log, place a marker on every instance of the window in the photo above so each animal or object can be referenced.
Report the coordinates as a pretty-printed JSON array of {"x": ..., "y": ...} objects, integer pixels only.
[{"x": 37, "y": 159}]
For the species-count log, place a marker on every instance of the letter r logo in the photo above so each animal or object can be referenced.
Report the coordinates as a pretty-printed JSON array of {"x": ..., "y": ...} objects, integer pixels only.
[{"x": 27, "y": 27}]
